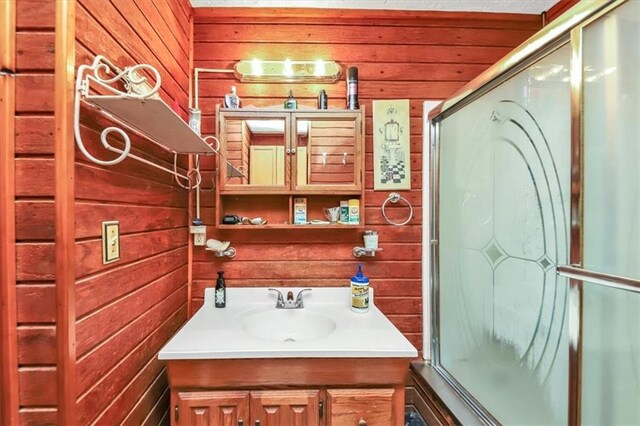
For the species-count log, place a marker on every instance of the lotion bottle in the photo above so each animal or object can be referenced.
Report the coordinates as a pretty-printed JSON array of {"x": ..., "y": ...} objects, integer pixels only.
[
  {"x": 359, "y": 292},
  {"x": 221, "y": 291},
  {"x": 231, "y": 100}
]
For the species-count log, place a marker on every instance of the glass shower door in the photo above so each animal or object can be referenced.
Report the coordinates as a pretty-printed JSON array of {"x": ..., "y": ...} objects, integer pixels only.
[
  {"x": 503, "y": 229},
  {"x": 611, "y": 229}
]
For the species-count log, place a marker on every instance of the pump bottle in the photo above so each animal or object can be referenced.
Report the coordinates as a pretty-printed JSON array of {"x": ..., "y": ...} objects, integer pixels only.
[
  {"x": 359, "y": 292},
  {"x": 221, "y": 291}
]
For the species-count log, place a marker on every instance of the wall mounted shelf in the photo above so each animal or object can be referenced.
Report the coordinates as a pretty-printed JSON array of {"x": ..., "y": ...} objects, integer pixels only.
[{"x": 126, "y": 97}]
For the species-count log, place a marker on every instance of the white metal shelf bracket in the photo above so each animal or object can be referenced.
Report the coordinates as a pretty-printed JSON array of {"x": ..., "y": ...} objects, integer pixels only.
[{"x": 138, "y": 108}]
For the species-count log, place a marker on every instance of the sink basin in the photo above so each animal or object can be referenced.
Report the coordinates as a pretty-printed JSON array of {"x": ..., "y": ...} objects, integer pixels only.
[{"x": 289, "y": 325}]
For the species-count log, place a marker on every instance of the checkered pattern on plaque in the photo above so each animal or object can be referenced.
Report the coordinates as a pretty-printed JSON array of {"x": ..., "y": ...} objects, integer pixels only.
[{"x": 392, "y": 173}]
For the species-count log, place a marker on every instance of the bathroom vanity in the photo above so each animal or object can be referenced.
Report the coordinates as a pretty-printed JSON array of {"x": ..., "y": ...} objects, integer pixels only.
[{"x": 253, "y": 364}]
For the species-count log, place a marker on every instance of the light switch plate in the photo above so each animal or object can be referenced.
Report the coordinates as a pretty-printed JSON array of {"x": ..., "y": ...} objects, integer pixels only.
[{"x": 110, "y": 241}]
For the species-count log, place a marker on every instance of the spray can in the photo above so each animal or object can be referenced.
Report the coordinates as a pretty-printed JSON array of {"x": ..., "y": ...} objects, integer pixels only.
[{"x": 352, "y": 88}]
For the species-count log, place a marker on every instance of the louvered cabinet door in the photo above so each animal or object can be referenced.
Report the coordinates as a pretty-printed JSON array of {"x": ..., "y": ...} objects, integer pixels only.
[
  {"x": 361, "y": 407},
  {"x": 222, "y": 408},
  {"x": 286, "y": 407}
]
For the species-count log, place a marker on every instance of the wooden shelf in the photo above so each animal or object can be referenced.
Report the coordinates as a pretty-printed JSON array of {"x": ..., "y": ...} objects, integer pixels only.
[
  {"x": 310, "y": 193},
  {"x": 153, "y": 118},
  {"x": 289, "y": 226}
]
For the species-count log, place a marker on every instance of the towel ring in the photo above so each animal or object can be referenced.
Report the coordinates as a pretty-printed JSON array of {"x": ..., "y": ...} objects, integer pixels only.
[{"x": 394, "y": 197}]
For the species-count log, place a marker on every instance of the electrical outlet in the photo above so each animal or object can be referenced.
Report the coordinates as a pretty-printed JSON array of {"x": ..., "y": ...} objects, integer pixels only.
[
  {"x": 199, "y": 235},
  {"x": 110, "y": 241},
  {"x": 199, "y": 239}
]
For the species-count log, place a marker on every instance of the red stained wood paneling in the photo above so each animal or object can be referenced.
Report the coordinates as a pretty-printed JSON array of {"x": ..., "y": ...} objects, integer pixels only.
[
  {"x": 559, "y": 8},
  {"x": 127, "y": 310},
  {"x": 35, "y": 212},
  {"x": 400, "y": 55}
]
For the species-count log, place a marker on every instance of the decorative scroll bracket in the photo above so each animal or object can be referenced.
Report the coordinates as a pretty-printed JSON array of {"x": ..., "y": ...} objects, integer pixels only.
[{"x": 105, "y": 75}]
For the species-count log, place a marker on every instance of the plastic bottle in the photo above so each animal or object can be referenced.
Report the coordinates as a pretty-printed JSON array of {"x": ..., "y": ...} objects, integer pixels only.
[
  {"x": 359, "y": 292},
  {"x": 221, "y": 291},
  {"x": 290, "y": 103},
  {"x": 231, "y": 100}
]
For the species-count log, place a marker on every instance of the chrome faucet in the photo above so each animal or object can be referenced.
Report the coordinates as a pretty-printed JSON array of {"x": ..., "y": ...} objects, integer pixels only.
[{"x": 289, "y": 303}]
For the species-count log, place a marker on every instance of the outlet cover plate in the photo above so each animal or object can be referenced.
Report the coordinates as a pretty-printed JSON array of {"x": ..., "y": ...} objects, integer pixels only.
[{"x": 110, "y": 241}]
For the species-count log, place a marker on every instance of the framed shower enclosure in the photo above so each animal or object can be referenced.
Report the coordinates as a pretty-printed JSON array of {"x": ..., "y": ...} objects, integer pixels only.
[{"x": 535, "y": 227}]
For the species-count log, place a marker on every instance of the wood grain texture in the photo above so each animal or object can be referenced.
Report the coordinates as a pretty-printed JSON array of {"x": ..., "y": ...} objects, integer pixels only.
[
  {"x": 373, "y": 406},
  {"x": 400, "y": 55},
  {"x": 64, "y": 93},
  {"x": 9, "y": 403},
  {"x": 256, "y": 373},
  {"x": 127, "y": 310},
  {"x": 35, "y": 189}
]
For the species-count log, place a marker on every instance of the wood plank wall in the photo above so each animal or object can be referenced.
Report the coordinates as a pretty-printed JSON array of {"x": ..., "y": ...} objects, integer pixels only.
[
  {"x": 400, "y": 55},
  {"x": 559, "y": 8},
  {"x": 127, "y": 310},
  {"x": 35, "y": 230}
]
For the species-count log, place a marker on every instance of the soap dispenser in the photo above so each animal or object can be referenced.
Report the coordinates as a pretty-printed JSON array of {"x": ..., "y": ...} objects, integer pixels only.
[
  {"x": 290, "y": 103},
  {"x": 221, "y": 291},
  {"x": 359, "y": 292}
]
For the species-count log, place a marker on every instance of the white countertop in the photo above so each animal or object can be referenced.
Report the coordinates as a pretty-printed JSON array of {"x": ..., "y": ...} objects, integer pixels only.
[{"x": 220, "y": 333}]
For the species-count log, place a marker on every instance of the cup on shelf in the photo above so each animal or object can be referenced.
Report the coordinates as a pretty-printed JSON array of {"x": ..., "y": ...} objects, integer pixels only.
[{"x": 332, "y": 214}]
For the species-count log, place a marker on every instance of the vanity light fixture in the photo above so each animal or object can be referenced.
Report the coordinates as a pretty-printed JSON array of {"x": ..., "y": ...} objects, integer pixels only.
[{"x": 287, "y": 71}]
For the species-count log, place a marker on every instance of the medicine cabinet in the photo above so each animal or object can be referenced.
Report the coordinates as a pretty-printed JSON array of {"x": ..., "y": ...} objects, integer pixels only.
[{"x": 270, "y": 157}]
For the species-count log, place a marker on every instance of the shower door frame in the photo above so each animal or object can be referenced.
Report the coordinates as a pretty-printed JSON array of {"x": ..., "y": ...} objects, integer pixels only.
[{"x": 566, "y": 29}]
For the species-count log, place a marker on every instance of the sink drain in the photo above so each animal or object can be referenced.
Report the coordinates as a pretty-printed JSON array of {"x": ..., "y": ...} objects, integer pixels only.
[{"x": 289, "y": 339}]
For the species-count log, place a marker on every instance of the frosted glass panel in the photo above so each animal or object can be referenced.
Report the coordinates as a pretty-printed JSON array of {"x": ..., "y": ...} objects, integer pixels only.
[
  {"x": 504, "y": 225},
  {"x": 610, "y": 356},
  {"x": 612, "y": 142}
]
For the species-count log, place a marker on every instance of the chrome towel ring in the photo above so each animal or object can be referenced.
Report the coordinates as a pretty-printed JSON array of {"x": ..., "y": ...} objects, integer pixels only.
[{"x": 394, "y": 197}]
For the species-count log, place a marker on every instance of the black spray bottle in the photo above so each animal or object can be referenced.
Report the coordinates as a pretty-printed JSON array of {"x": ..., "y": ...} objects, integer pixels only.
[{"x": 221, "y": 291}]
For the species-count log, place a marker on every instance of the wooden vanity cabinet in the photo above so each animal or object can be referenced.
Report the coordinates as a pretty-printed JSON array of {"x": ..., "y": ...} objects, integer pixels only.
[
  {"x": 360, "y": 407},
  {"x": 288, "y": 392},
  {"x": 224, "y": 408},
  {"x": 271, "y": 157},
  {"x": 233, "y": 408},
  {"x": 285, "y": 407}
]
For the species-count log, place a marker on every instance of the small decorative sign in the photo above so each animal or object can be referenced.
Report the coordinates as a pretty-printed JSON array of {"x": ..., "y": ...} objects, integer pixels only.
[{"x": 391, "y": 149}]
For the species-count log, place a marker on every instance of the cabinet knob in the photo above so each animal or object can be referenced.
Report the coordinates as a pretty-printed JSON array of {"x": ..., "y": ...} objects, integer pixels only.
[
  {"x": 288, "y": 151},
  {"x": 362, "y": 422},
  {"x": 293, "y": 150}
]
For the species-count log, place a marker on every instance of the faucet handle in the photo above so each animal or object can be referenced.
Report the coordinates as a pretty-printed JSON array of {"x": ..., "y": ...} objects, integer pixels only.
[
  {"x": 280, "y": 301},
  {"x": 299, "y": 302}
]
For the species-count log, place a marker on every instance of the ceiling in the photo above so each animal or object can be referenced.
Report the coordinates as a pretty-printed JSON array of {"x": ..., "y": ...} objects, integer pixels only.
[{"x": 496, "y": 6}]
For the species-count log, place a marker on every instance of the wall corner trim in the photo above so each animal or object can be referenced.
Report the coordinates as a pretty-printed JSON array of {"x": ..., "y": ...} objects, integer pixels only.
[{"x": 64, "y": 210}]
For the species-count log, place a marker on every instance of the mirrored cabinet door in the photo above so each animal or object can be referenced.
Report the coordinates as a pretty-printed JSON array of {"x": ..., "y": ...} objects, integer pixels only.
[
  {"x": 327, "y": 151},
  {"x": 255, "y": 151}
]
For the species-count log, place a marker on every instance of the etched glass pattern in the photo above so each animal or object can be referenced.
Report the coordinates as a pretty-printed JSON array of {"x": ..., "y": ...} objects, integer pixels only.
[{"x": 504, "y": 225}]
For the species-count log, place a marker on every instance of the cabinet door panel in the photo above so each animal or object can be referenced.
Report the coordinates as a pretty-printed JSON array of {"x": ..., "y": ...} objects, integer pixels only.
[
  {"x": 253, "y": 147},
  {"x": 291, "y": 408},
  {"x": 329, "y": 151},
  {"x": 212, "y": 408},
  {"x": 347, "y": 407}
]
